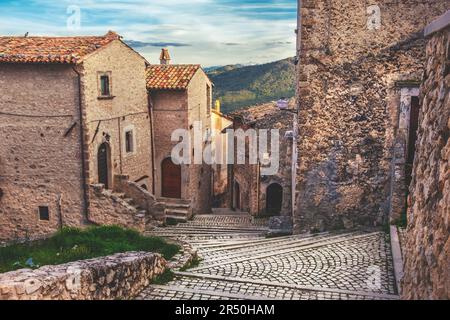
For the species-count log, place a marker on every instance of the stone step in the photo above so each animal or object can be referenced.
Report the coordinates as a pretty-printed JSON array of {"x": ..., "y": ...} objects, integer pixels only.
[
  {"x": 177, "y": 205},
  {"x": 174, "y": 201},
  {"x": 247, "y": 288},
  {"x": 266, "y": 242},
  {"x": 286, "y": 249},
  {"x": 129, "y": 201},
  {"x": 177, "y": 212},
  {"x": 178, "y": 219},
  {"x": 249, "y": 252}
]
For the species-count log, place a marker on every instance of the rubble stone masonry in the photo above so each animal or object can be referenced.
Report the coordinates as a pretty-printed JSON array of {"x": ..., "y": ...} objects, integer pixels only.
[
  {"x": 427, "y": 258},
  {"x": 120, "y": 276},
  {"x": 40, "y": 157},
  {"x": 355, "y": 58}
]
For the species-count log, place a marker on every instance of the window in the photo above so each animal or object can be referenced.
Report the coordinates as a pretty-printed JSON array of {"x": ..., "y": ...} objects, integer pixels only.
[
  {"x": 129, "y": 141},
  {"x": 104, "y": 85},
  {"x": 44, "y": 214}
]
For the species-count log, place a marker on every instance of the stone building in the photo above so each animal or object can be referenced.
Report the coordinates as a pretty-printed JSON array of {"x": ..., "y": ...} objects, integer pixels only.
[
  {"x": 427, "y": 257},
  {"x": 180, "y": 98},
  {"x": 358, "y": 86},
  {"x": 219, "y": 147},
  {"x": 73, "y": 113},
  {"x": 251, "y": 190}
]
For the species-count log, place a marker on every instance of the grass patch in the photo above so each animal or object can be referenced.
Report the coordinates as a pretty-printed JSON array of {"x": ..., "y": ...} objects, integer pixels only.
[
  {"x": 193, "y": 264},
  {"x": 71, "y": 244},
  {"x": 163, "y": 278}
]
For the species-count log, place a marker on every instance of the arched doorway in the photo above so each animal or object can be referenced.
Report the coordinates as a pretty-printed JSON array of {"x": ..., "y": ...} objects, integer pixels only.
[
  {"x": 237, "y": 196},
  {"x": 171, "y": 179},
  {"x": 274, "y": 199},
  {"x": 103, "y": 162}
]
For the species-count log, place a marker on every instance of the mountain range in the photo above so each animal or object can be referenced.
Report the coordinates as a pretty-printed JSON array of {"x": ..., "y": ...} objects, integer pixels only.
[{"x": 239, "y": 86}]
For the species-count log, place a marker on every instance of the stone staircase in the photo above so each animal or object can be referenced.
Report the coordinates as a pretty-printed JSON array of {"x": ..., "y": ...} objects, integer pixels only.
[
  {"x": 131, "y": 202},
  {"x": 176, "y": 210}
]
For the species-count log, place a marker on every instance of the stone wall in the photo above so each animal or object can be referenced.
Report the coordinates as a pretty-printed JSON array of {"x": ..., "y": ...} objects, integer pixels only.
[
  {"x": 121, "y": 276},
  {"x": 40, "y": 153},
  {"x": 200, "y": 187},
  {"x": 350, "y": 73},
  {"x": 107, "y": 208},
  {"x": 427, "y": 256}
]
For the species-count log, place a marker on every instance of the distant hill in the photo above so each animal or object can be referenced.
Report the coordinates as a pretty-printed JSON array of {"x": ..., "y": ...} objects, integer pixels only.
[{"x": 238, "y": 86}]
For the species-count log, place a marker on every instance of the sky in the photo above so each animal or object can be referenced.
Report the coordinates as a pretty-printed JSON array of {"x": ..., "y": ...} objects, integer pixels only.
[{"x": 209, "y": 32}]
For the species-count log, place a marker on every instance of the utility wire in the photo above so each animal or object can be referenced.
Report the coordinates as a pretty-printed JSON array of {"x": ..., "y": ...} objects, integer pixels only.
[{"x": 36, "y": 116}]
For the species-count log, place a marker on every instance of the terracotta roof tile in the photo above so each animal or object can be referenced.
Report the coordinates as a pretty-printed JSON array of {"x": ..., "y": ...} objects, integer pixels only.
[
  {"x": 175, "y": 77},
  {"x": 51, "y": 49}
]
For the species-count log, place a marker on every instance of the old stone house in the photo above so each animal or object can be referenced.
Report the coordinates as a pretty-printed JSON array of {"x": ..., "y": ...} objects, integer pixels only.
[
  {"x": 73, "y": 113},
  {"x": 180, "y": 98},
  {"x": 427, "y": 256},
  {"x": 358, "y": 87},
  {"x": 250, "y": 189}
]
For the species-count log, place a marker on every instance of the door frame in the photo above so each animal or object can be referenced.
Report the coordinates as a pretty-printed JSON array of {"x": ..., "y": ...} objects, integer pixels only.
[{"x": 109, "y": 177}]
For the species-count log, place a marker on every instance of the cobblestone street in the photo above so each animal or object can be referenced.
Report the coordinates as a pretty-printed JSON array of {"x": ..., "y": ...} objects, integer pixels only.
[{"x": 239, "y": 263}]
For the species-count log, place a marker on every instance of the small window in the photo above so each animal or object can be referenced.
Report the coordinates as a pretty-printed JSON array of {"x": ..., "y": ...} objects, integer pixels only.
[
  {"x": 129, "y": 142},
  {"x": 44, "y": 214},
  {"x": 104, "y": 86}
]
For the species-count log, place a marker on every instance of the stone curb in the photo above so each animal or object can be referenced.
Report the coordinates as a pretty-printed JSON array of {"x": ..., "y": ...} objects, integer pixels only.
[{"x": 396, "y": 257}]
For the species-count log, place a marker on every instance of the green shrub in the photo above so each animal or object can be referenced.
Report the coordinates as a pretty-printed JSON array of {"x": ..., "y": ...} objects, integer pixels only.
[{"x": 72, "y": 244}]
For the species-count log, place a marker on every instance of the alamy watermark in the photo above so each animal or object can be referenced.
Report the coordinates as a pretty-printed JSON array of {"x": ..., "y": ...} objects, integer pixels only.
[{"x": 199, "y": 146}]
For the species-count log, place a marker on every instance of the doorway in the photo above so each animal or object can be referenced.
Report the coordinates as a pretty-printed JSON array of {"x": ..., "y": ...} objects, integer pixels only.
[
  {"x": 412, "y": 138},
  {"x": 237, "y": 196},
  {"x": 103, "y": 163},
  {"x": 171, "y": 179},
  {"x": 274, "y": 199}
]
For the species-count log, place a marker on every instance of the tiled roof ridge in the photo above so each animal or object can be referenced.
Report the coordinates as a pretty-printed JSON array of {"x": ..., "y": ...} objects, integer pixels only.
[
  {"x": 171, "y": 77},
  {"x": 51, "y": 49}
]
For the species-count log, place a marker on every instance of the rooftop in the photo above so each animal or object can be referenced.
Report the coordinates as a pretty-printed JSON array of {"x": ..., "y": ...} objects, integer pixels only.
[
  {"x": 267, "y": 116},
  {"x": 64, "y": 50},
  {"x": 173, "y": 77}
]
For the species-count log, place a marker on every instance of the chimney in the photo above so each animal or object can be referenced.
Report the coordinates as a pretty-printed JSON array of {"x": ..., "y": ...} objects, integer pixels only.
[{"x": 165, "y": 56}]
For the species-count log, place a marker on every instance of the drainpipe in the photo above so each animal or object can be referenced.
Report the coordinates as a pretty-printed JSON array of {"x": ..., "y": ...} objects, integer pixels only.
[
  {"x": 83, "y": 146},
  {"x": 152, "y": 142}
]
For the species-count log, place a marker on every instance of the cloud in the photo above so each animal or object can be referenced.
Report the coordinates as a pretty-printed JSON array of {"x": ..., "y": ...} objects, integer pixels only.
[
  {"x": 210, "y": 32},
  {"x": 140, "y": 44}
]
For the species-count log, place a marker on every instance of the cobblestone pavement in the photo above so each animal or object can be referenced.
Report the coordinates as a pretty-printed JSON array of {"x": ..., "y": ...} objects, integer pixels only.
[{"x": 239, "y": 263}]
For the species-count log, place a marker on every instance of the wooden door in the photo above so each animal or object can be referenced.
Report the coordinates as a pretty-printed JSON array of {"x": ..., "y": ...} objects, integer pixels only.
[
  {"x": 171, "y": 179},
  {"x": 102, "y": 160}
]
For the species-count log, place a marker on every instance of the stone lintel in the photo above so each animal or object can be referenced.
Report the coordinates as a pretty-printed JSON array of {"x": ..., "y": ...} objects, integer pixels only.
[{"x": 438, "y": 24}]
